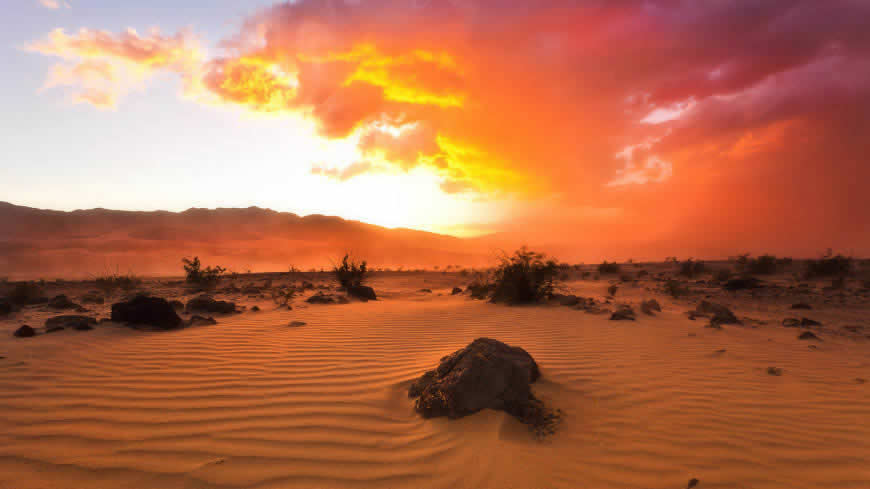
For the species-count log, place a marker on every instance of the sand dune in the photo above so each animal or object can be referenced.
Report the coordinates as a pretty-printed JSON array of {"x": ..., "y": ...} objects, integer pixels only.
[{"x": 254, "y": 403}]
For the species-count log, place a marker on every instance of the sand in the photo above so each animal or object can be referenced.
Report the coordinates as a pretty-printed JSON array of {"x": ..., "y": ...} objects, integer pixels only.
[{"x": 254, "y": 403}]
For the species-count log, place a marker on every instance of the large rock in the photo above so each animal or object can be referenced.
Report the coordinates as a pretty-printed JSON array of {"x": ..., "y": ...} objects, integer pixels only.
[
  {"x": 24, "y": 332},
  {"x": 143, "y": 309},
  {"x": 485, "y": 374},
  {"x": 718, "y": 313},
  {"x": 623, "y": 313},
  {"x": 206, "y": 303},
  {"x": 321, "y": 299},
  {"x": 80, "y": 323},
  {"x": 362, "y": 292},
  {"x": 62, "y": 302}
]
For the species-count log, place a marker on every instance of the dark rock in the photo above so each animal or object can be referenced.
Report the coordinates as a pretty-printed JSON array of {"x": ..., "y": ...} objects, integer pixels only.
[
  {"x": 791, "y": 322},
  {"x": 320, "y": 299},
  {"x": 362, "y": 292},
  {"x": 5, "y": 307},
  {"x": 177, "y": 304},
  {"x": 742, "y": 283},
  {"x": 201, "y": 321},
  {"x": 143, "y": 309},
  {"x": 692, "y": 483},
  {"x": 807, "y": 322},
  {"x": 648, "y": 306},
  {"x": 623, "y": 313},
  {"x": 718, "y": 313},
  {"x": 307, "y": 285},
  {"x": 62, "y": 302},
  {"x": 80, "y": 323},
  {"x": 24, "y": 332},
  {"x": 485, "y": 374},
  {"x": 808, "y": 335},
  {"x": 565, "y": 299},
  {"x": 801, "y": 305},
  {"x": 255, "y": 309},
  {"x": 456, "y": 291},
  {"x": 426, "y": 291},
  {"x": 205, "y": 303},
  {"x": 92, "y": 298},
  {"x": 296, "y": 324},
  {"x": 250, "y": 290},
  {"x": 774, "y": 371},
  {"x": 54, "y": 329},
  {"x": 611, "y": 291}
]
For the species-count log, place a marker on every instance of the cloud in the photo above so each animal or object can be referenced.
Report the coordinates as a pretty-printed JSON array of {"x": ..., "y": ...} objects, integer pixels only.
[
  {"x": 534, "y": 99},
  {"x": 54, "y": 4},
  {"x": 101, "y": 67},
  {"x": 343, "y": 174}
]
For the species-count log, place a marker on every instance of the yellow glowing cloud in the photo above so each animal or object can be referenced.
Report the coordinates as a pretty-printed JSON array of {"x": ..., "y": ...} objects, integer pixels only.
[{"x": 256, "y": 82}]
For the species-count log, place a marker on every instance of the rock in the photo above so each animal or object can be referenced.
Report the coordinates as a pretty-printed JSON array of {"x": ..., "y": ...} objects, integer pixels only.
[
  {"x": 648, "y": 306},
  {"x": 362, "y": 292},
  {"x": 92, "y": 297},
  {"x": 177, "y": 304},
  {"x": 774, "y": 371},
  {"x": 205, "y": 303},
  {"x": 801, "y": 305},
  {"x": 251, "y": 290},
  {"x": 718, "y": 313},
  {"x": 143, "y": 309},
  {"x": 342, "y": 299},
  {"x": 5, "y": 307},
  {"x": 611, "y": 291},
  {"x": 791, "y": 322},
  {"x": 808, "y": 335},
  {"x": 255, "y": 309},
  {"x": 692, "y": 483},
  {"x": 24, "y": 332},
  {"x": 80, "y": 323},
  {"x": 320, "y": 299},
  {"x": 307, "y": 285},
  {"x": 485, "y": 374},
  {"x": 62, "y": 302},
  {"x": 426, "y": 291},
  {"x": 456, "y": 291},
  {"x": 54, "y": 329},
  {"x": 296, "y": 324},
  {"x": 565, "y": 299},
  {"x": 742, "y": 283},
  {"x": 623, "y": 313},
  {"x": 807, "y": 322},
  {"x": 201, "y": 321}
]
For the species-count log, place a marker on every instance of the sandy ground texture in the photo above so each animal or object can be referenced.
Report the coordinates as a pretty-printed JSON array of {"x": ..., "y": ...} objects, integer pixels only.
[{"x": 253, "y": 402}]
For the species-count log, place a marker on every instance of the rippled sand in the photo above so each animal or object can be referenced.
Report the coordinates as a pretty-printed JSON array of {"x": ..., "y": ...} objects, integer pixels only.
[{"x": 254, "y": 403}]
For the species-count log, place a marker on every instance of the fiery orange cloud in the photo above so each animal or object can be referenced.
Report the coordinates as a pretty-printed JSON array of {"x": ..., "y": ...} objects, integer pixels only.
[{"x": 540, "y": 101}]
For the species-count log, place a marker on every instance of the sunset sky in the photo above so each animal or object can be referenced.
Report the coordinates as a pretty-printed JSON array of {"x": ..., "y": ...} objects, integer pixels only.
[{"x": 720, "y": 126}]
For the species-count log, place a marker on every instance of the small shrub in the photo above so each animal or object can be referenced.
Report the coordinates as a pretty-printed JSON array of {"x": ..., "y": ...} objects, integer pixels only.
[
  {"x": 605, "y": 268},
  {"x": 690, "y": 268},
  {"x": 829, "y": 266},
  {"x": 675, "y": 289},
  {"x": 524, "y": 277},
  {"x": 349, "y": 272},
  {"x": 195, "y": 274}
]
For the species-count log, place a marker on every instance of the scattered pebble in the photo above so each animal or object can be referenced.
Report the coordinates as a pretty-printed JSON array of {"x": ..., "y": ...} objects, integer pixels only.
[
  {"x": 774, "y": 371},
  {"x": 297, "y": 323}
]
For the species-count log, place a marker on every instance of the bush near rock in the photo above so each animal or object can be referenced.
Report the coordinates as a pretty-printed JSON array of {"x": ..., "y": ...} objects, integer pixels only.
[
  {"x": 623, "y": 313},
  {"x": 485, "y": 374},
  {"x": 456, "y": 291},
  {"x": 717, "y": 313},
  {"x": 206, "y": 303},
  {"x": 146, "y": 310}
]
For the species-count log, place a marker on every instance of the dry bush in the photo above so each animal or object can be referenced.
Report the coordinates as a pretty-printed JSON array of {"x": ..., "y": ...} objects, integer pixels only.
[
  {"x": 606, "y": 268},
  {"x": 524, "y": 277},
  {"x": 195, "y": 274},
  {"x": 349, "y": 272},
  {"x": 829, "y": 265}
]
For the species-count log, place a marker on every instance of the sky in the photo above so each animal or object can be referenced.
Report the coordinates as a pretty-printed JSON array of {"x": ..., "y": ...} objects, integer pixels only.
[{"x": 706, "y": 127}]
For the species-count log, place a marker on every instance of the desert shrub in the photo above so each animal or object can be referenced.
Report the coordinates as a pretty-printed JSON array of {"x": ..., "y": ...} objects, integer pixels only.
[
  {"x": 690, "y": 268},
  {"x": 762, "y": 265},
  {"x": 195, "y": 274},
  {"x": 829, "y": 265},
  {"x": 722, "y": 275},
  {"x": 113, "y": 280},
  {"x": 349, "y": 272},
  {"x": 524, "y": 277},
  {"x": 784, "y": 261},
  {"x": 605, "y": 268}
]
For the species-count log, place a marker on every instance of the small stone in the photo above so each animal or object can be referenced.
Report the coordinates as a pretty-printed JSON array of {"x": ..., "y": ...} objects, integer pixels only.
[
  {"x": 24, "y": 332},
  {"x": 808, "y": 335},
  {"x": 774, "y": 371},
  {"x": 296, "y": 324}
]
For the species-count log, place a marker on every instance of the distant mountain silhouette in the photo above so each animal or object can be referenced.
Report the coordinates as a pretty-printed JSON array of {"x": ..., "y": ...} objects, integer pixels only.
[{"x": 49, "y": 244}]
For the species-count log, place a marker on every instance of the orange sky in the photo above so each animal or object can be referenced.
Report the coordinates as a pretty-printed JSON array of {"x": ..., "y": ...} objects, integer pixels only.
[{"x": 707, "y": 128}]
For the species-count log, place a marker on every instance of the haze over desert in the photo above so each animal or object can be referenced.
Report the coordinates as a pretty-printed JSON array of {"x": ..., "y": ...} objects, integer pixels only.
[{"x": 346, "y": 244}]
